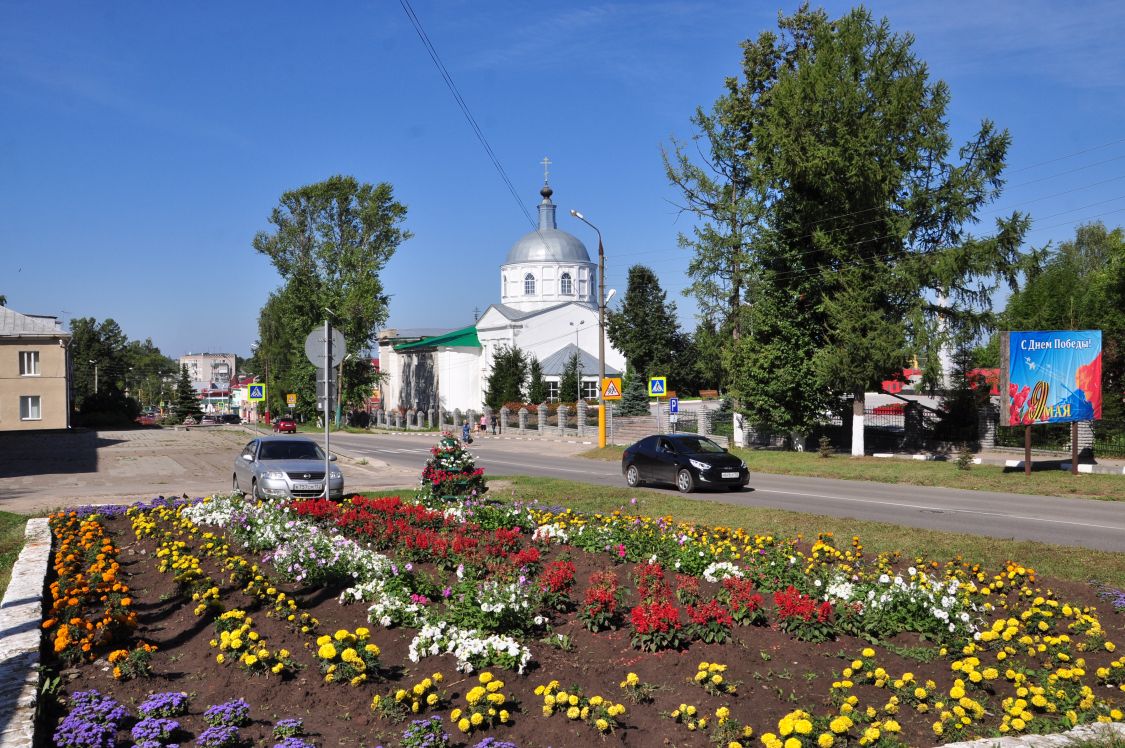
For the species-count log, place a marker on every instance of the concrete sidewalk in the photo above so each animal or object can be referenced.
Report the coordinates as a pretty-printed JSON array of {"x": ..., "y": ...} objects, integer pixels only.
[{"x": 54, "y": 471}]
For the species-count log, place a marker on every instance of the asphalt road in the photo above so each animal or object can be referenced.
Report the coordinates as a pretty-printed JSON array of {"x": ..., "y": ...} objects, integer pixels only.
[{"x": 1062, "y": 521}]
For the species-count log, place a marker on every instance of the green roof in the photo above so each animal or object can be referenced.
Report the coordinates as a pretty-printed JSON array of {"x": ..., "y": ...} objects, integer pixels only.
[{"x": 466, "y": 337}]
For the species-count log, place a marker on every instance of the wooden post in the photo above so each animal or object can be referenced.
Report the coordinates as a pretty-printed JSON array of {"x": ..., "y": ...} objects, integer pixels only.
[
  {"x": 1027, "y": 450},
  {"x": 1074, "y": 447}
]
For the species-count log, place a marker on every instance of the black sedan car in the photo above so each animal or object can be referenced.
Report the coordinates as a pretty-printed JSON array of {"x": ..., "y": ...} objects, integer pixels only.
[{"x": 688, "y": 460}]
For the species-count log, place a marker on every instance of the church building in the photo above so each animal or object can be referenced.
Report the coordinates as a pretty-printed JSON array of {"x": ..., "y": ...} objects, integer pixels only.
[{"x": 548, "y": 308}]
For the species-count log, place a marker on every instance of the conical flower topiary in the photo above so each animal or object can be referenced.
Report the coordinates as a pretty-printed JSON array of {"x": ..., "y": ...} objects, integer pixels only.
[{"x": 450, "y": 473}]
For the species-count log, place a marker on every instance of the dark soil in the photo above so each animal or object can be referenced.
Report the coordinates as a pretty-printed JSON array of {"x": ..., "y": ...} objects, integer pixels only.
[{"x": 777, "y": 673}]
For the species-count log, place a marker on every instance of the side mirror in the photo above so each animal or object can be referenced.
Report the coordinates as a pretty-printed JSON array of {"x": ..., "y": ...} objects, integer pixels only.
[{"x": 331, "y": 458}]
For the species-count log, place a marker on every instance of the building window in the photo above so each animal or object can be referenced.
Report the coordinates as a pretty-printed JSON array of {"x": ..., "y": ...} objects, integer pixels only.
[
  {"x": 552, "y": 391},
  {"x": 504, "y": 284},
  {"x": 29, "y": 408},
  {"x": 529, "y": 285},
  {"x": 589, "y": 389},
  {"x": 566, "y": 286},
  {"x": 581, "y": 286},
  {"x": 29, "y": 363}
]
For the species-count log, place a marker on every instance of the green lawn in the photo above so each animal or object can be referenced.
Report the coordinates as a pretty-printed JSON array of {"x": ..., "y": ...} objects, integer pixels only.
[
  {"x": 11, "y": 543},
  {"x": 918, "y": 473},
  {"x": 1075, "y": 564}
]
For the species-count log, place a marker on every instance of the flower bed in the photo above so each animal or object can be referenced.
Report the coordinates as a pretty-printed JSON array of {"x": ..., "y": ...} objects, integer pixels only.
[{"x": 385, "y": 621}]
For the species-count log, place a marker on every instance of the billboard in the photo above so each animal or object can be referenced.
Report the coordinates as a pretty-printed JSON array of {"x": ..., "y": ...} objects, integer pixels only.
[{"x": 1052, "y": 376}]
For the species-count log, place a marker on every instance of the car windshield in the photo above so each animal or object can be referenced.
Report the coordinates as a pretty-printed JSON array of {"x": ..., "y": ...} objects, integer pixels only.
[
  {"x": 294, "y": 450},
  {"x": 696, "y": 445}
]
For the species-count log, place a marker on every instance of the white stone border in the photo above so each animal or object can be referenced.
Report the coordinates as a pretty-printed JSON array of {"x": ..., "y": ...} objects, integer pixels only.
[
  {"x": 21, "y": 613},
  {"x": 1093, "y": 731}
]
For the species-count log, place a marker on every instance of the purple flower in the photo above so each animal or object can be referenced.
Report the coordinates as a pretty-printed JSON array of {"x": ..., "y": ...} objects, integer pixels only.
[
  {"x": 168, "y": 704},
  {"x": 154, "y": 729},
  {"x": 293, "y": 742},
  {"x": 232, "y": 713},
  {"x": 218, "y": 736}
]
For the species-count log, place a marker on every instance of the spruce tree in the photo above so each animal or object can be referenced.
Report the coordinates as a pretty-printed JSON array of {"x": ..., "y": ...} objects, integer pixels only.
[
  {"x": 450, "y": 472},
  {"x": 536, "y": 385},
  {"x": 187, "y": 401},
  {"x": 634, "y": 397},
  {"x": 568, "y": 383},
  {"x": 506, "y": 381}
]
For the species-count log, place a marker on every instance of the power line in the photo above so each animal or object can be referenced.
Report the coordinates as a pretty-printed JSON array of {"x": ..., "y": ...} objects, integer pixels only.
[{"x": 464, "y": 107}]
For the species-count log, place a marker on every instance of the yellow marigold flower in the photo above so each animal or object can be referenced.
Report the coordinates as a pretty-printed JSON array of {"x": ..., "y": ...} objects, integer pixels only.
[
  {"x": 476, "y": 719},
  {"x": 326, "y": 652},
  {"x": 463, "y": 725},
  {"x": 485, "y": 677},
  {"x": 573, "y": 712},
  {"x": 432, "y": 699},
  {"x": 722, "y": 712},
  {"x": 455, "y": 715},
  {"x": 825, "y": 740},
  {"x": 868, "y": 652},
  {"x": 601, "y": 724}
]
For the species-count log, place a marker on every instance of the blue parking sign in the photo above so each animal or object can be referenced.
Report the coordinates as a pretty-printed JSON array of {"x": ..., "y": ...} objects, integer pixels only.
[{"x": 673, "y": 405}]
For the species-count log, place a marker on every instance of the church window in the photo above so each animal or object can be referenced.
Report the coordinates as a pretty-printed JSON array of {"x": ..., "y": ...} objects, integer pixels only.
[
  {"x": 582, "y": 286},
  {"x": 566, "y": 286},
  {"x": 529, "y": 285}
]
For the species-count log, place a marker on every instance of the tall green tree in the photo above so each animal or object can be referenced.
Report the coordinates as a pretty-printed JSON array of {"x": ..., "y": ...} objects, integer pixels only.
[
  {"x": 568, "y": 382},
  {"x": 329, "y": 241},
  {"x": 101, "y": 345},
  {"x": 634, "y": 396},
  {"x": 148, "y": 369},
  {"x": 187, "y": 399},
  {"x": 645, "y": 329},
  {"x": 507, "y": 379},
  {"x": 536, "y": 385},
  {"x": 845, "y": 139}
]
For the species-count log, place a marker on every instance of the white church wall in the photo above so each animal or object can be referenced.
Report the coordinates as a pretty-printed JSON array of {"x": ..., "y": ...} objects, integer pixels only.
[{"x": 459, "y": 378}]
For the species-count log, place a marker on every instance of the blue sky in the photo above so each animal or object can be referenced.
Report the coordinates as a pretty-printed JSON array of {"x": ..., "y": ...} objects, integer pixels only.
[{"x": 143, "y": 144}]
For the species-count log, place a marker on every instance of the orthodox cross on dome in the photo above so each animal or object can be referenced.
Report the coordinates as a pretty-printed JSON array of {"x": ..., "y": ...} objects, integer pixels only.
[{"x": 546, "y": 162}]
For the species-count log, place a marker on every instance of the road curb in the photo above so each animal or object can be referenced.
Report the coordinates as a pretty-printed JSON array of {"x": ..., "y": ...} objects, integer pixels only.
[{"x": 21, "y": 613}]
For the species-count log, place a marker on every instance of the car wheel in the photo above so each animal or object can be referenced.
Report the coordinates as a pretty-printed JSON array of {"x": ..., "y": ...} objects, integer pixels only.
[
  {"x": 633, "y": 476},
  {"x": 254, "y": 490},
  {"x": 684, "y": 481}
]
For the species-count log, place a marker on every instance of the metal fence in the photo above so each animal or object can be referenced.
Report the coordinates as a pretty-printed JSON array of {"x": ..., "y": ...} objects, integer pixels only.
[{"x": 1109, "y": 437}]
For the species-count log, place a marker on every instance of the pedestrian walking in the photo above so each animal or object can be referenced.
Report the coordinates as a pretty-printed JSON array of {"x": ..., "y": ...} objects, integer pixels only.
[{"x": 466, "y": 437}]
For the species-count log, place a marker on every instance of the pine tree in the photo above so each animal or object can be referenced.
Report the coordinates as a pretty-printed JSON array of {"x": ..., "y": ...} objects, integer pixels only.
[
  {"x": 536, "y": 385},
  {"x": 450, "y": 472},
  {"x": 645, "y": 329},
  {"x": 506, "y": 381},
  {"x": 634, "y": 398},
  {"x": 187, "y": 401},
  {"x": 568, "y": 383}
]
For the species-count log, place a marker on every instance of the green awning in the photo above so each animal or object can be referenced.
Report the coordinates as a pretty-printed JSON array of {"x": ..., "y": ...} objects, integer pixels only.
[{"x": 466, "y": 337}]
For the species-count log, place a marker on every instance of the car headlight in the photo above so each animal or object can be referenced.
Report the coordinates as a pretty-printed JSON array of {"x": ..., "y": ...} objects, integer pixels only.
[
  {"x": 742, "y": 464},
  {"x": 699, "y": 465},
  {"x": 335, "y": 474},
  {"x": 275, "y": 475}
]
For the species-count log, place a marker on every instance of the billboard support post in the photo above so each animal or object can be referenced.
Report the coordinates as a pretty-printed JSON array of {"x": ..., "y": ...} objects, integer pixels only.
[
  {"x": 1027, "y": 451},
  {"x": 1074, "y": 447}
]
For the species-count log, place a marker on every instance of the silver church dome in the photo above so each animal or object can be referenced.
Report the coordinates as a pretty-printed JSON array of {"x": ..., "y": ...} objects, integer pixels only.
[{"x": 547, "y": 243}]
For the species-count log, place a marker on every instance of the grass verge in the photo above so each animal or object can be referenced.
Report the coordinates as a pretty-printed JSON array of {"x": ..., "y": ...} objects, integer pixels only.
[
  {"x": 918, "y": 473},
  {"x": 11, "y": 543},
  {"x": 1075, "y": 564}
]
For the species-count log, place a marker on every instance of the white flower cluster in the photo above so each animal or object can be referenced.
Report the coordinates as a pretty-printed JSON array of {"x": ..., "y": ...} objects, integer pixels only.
[
  {"x": 717, "y": 571},
  {"x": 553, "y": 531},
  {"x": 388, "y": 607},
  {"x": 921, "y": 595},
  {"x": 213, "y": 510},
  {"x": 470, "y": 648},
  {"x": 494, "y": 597}
]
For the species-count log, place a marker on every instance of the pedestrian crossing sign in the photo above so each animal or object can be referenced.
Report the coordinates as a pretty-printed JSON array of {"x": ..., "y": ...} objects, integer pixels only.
[
  {"x": 657, "y": 386},
  {"x": 256, "y": 393},
  {"x": 611, "y": 388}
]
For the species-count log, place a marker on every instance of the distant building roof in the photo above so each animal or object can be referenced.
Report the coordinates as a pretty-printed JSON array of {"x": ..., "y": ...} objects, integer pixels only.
[
  {"x": 16, "y": 325},
  {"x": 554, "y": 364}
]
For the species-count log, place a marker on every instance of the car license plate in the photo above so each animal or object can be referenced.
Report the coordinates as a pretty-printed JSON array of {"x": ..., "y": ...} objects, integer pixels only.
[
  {"x": 730, "y": 475},
  {"x": 307, "y": 487}
]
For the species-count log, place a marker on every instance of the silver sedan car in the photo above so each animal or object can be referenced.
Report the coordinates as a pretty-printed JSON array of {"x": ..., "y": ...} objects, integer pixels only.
[{"x": 285, "y": 467}]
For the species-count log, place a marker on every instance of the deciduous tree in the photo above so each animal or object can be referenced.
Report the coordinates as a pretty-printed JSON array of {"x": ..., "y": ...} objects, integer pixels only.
[{"x": 329, "y": 242}]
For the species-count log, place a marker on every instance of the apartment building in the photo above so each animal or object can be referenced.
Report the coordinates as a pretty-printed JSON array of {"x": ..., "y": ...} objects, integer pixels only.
[{"x": 34, "y": 372}]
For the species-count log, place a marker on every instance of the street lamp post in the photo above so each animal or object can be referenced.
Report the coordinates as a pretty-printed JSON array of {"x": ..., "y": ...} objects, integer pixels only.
[
  {"x": 578, "y": 355},
  {"x": 601, "y": 328},
  {"x": 95, "y": 363}
]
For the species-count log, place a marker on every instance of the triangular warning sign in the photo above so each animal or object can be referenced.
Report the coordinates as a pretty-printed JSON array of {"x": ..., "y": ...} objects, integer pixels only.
[{"x": 611, "y": 390}]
